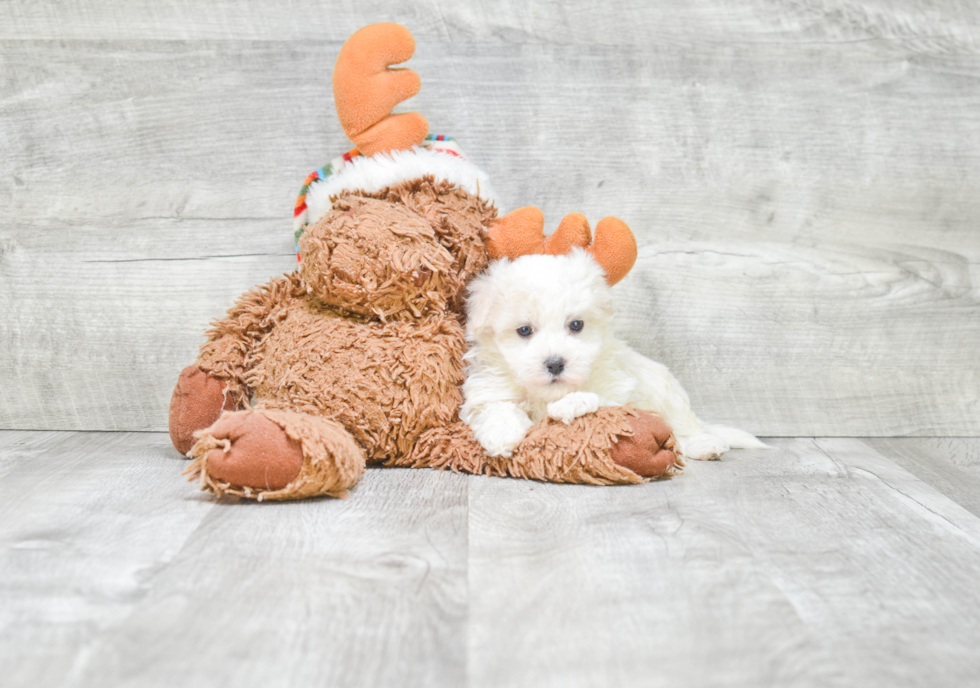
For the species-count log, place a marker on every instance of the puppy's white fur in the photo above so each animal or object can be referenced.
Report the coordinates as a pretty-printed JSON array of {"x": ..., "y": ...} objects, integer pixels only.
[{"x": 509, "y": 386}]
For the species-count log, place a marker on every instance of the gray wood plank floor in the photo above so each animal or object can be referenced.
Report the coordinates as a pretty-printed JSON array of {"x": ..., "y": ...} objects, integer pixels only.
[{"x": 821, "y": 562}]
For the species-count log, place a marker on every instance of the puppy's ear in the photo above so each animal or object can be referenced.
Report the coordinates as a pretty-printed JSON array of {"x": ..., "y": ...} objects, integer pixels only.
[{"x": 480, "y": 306}]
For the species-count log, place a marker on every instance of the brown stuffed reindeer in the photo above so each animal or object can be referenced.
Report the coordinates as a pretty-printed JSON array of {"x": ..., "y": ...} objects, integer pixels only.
[{"x": 355, "y": 358}]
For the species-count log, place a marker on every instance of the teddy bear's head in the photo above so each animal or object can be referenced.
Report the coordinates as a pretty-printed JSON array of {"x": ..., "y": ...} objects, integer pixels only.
[
  {"x": 398, "y": 225},
  {"x": 405, "y": 252}
]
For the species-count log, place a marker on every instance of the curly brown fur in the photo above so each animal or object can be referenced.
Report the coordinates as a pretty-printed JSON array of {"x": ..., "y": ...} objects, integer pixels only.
[
  {"x": 233, "y": 340},
  {"x": 377, "y": 259},
  {"x": 385, "y": 382},
  {"x": 459, "y": 219},
  {"x": 400, "y": 253}
]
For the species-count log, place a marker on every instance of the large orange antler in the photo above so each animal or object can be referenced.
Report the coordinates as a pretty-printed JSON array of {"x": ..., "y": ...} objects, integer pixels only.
[
  {"x": 366, "y": 88},
  {"x": 521, "y": 232}
]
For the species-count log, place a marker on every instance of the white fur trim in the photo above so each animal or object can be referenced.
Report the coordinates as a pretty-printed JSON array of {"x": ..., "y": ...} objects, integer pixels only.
[{"x": 386, "y": 169}]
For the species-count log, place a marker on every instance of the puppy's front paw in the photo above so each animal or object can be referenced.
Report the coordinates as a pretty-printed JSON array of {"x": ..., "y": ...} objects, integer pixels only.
[
  {"x": 501, "y": 428},
  {"x": 702, "y": 447},
  {"x": 573, "y": 405},
  {"x": 504, "y": 439}
]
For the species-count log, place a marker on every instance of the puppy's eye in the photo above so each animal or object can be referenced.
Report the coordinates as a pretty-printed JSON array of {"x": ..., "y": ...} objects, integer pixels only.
[
  {"x": 576, "y": 325},
  {"x": 525, "y": 331}
]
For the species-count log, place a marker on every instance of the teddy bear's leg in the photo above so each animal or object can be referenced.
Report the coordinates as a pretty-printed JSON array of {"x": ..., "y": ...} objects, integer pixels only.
[
  {"x": 268, "y": 454},
  {"x": 614, "y": 445},
  {"x": 197, "y": 401}
]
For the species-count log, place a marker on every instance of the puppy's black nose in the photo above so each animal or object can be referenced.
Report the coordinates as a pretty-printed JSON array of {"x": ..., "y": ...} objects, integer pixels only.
[{"x": 555, "y": 365}]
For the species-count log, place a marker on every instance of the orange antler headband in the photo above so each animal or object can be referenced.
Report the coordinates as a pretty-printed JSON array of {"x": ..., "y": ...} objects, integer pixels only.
[
  {"x": 521, "y": 232},
  {"x": 366, "y": 88}
]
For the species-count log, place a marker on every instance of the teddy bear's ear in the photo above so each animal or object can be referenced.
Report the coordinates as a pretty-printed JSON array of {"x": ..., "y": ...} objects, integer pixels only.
[{"x": 366, "y": 88}]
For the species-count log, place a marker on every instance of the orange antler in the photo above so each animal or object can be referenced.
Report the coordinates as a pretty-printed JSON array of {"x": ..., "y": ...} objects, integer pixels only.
[
  {"x": 521, "y": 232},
  {"x": 614, "y": 248},
  {"x": 366, "y": 88}
]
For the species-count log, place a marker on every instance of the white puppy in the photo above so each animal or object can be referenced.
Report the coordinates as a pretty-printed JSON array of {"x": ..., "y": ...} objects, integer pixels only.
[{"x": 542, "y": 346}]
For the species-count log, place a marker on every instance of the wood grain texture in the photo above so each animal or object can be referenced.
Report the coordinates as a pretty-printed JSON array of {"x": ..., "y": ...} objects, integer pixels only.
[
  {"x": 799, "y": 176},
  {"x": 935, "y": 22},
  {"x": 814, "y": 564},
  {"x": 821, "y": 562},
  {"x": 116, "y": 571},
  {"x": 93, "y": 332},
  {"x": 86, "y": 523},
  {"x": 836, "y": 338},
  {"x": 369, "y": 591},
  {"x": 949, "y": 464}
]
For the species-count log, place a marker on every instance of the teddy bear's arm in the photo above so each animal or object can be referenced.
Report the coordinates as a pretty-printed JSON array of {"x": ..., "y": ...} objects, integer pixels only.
[
  {"x": 614, "y": 445},
  {"x": 232, "y": 341},
  {"x": 219, "y": 378}
]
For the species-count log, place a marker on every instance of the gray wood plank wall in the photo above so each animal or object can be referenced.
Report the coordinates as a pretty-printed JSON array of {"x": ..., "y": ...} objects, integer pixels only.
[{"x": 801, "y": 176}]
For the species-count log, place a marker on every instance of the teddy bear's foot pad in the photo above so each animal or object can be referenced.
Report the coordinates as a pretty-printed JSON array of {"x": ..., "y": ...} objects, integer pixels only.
[
  {"x": 649, "y": 451},
  {"x": 197, "y": 401},
  {"x": 259, "y": 453},
  {"x": 270, "y": 454}
]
